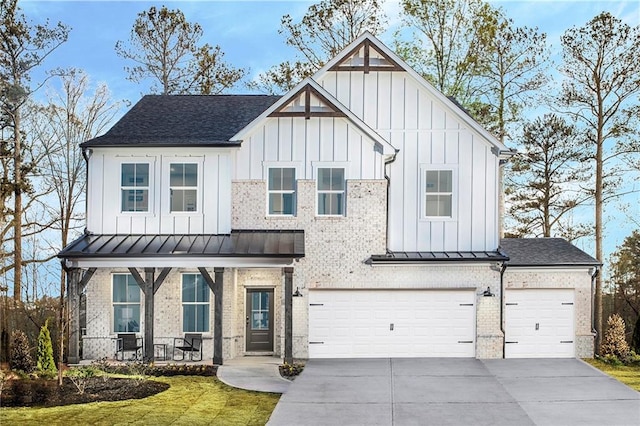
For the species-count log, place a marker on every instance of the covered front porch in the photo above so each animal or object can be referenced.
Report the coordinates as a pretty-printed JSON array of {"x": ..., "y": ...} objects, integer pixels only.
[{"x": 166, "y": 281}]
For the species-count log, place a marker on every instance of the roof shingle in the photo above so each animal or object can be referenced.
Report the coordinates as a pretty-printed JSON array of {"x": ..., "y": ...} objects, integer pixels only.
[
  {"x": 176, "y": 120},
  {"x": 544, "y": 252}
]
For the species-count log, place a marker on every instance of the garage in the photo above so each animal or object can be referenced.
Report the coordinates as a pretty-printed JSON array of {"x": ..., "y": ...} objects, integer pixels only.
[
  {"x": 539, "y": 323},
  {"x": 391, "y": 323}
]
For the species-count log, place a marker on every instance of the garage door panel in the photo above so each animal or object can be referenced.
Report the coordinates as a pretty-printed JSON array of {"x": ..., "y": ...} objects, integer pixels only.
[
  {"x": 391, "y": 323},
  {"x": 539, "y": 323}
]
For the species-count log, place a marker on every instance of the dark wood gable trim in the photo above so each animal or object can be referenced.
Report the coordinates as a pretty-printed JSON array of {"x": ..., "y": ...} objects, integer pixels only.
[
  {"x": 367, "y": 67},
  {"x": 307, "y": 91}
]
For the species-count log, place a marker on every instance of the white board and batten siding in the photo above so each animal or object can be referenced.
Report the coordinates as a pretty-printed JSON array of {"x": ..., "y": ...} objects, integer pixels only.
[
  {"x": 391, "y": 323},
  {"x": 306, "y": 144},
  {"x": 429, "y": 135},
  {"x": 539, "y": 323},
  {"x": 213, "y": 213}
]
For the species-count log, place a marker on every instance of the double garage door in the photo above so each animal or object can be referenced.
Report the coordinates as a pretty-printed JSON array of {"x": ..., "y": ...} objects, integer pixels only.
[
  {"x": 539, "y": 324},
  {"x": 391, "y": 323}
]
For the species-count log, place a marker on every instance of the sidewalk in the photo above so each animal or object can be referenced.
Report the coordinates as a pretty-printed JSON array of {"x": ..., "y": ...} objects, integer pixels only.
[{"x": 257, "y": 373}]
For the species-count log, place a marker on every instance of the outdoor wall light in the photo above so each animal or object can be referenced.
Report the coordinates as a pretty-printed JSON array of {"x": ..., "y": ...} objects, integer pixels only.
[
  {"x": 297, "y": 293},
  {"x": 487, "y": 292}
]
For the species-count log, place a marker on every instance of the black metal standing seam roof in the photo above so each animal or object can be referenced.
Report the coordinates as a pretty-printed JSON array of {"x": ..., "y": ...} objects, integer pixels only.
[
  {"x": 241, "y": 243},
  {"x": 437, "y": 256},
  {"x": 544, "y": 252},
  {"x": 184, "y": 120}
]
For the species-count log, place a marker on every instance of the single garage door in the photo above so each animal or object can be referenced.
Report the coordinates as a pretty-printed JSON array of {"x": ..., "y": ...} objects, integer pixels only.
[
  {"x": 539, "y": 324},
  {"x": 391, "y": 323}
]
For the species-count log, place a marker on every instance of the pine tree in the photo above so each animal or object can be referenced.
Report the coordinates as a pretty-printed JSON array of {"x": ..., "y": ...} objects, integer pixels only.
[
  {"x": 614, "y": 342},
  {"x": 20, "y": 357},
  {"x": 45, "y": 351}
]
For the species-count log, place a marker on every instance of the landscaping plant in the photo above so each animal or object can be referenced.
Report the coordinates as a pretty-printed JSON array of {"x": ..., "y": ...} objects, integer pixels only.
[
  {"x": 20, "y": 358},
  {"x": 614, "y": 343},
  {"x": 45, "y": 361}
]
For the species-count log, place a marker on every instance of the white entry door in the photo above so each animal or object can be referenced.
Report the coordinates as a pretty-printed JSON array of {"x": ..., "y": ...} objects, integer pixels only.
[
  {"x": 539, "y": 323},
  {"x": 391, "y": 323}
]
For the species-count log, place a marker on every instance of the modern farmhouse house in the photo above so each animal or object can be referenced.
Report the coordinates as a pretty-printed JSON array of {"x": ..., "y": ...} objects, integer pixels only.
[{"x": 355, "y": 216}]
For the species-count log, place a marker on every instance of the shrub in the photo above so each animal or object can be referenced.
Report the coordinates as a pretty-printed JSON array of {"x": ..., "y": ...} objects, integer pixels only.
[
  {"x": 45, "y": 351},
  {"x": 614, "y": 342},
  {"x": 20, "y": 358},
  {"x": 291, "y": 370},
  {"x": 80, "y": 377}
]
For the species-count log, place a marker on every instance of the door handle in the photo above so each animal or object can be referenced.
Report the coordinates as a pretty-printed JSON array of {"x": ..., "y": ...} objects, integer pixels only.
[
  {"x": 537, "y": 326},
  {"x": 247, "y": 320},
  {"x": 391, "y": 326}
]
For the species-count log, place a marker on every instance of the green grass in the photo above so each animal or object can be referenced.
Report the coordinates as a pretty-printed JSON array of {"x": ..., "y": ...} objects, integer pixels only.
[
  {"x": 189, "y": 401},
  {"x": 627, "y": 374}
]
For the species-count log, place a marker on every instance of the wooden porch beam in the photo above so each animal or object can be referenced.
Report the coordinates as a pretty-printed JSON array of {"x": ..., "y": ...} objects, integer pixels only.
[
  {"x": 288, "y": 315},
  {"x": 158, "y": 282},
  {"x": 217, "y": 323}
]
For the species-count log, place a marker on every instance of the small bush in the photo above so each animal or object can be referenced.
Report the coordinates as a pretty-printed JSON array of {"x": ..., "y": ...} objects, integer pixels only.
[
  {"x": 141, "y": 369},
  {"x": 614, "y": 342},
  {"x": 291, "y": 370},
  {"x": 80, "y": 377},
  {"x": 20, "y": 358},
  {"x": 45, "y": 363}
]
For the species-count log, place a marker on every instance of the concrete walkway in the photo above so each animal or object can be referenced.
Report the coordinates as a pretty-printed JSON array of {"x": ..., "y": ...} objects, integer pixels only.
[
  {"x": 257, "y": 373},
  {"x": 450, "y": 391}
]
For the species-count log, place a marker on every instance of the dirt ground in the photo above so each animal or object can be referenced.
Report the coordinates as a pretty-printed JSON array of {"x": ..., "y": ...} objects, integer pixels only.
[{"x": 46, "y": 393}]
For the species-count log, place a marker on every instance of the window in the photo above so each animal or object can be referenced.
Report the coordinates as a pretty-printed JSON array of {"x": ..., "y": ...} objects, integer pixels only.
[
  {"x": 183, "y": 183},
  {"x": 134, "y": 184},
  {"x": 195, "y": 304},
  {"x": 282, "y": 192},
  {"x": 438, "y": 193},
  {"x": 126, "y": 304},
  {"x": 331, "y": 190}
]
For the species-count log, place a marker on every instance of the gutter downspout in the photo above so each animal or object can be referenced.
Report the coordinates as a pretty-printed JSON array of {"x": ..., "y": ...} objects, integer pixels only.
[
  {"x": 595, "y": 274},
  {"x": 86, "y": 154},
  {"x": 504, "y": 337},
  {"x": 386, "y": 176}
]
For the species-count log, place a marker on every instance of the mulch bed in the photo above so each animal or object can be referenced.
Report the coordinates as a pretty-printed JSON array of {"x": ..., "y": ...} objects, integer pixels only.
[{"x": 46, "y": 393}]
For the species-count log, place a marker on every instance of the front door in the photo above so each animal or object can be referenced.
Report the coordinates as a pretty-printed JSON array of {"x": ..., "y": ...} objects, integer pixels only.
[{"x": 259, "y": 320}]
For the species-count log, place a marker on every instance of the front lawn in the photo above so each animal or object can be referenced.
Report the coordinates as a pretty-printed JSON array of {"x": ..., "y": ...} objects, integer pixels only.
[
  {"x": 189, "y": 401},
  {"x": 627, "y": 374}
]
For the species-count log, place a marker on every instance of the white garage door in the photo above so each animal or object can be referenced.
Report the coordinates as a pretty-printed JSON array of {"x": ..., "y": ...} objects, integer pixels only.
[
  {"x": 391, "y": 323},
  {"x": 539, "y": 324}
]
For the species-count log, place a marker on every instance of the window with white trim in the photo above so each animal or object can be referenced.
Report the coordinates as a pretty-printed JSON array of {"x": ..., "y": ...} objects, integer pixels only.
[
  {"x": 134, "y": 187},
  {"x": 331, "y": 191},
  {"x": 438, "y": 201},
  {"x": 126, "y": 304},
  {"x": 195, "y": 304},
  {"x": 282, "y": 191},
  {"x": 183, "y": 187}
]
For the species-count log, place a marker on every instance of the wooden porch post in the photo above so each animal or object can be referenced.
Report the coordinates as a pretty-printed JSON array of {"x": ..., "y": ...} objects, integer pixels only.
[
  {"x": 288, "y": 315},
  {"x": 217, "y": 324},
  {"x": 73, "y": 309}
]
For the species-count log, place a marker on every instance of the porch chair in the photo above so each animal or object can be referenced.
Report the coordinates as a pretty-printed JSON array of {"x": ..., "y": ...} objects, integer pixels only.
[
  {"x": 128, "y": 342},
  {"x": 191, "y": 343}
]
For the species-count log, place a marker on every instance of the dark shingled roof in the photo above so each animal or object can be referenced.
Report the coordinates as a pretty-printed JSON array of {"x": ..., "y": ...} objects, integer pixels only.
[
  {"x": 544, "y": 252},
  {"x": 241, "y": 243},
  {"x": 176, "y": 120}
]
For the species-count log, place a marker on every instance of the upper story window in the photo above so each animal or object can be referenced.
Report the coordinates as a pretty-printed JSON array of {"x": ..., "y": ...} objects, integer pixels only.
[
  {"x": 331, "y": 191},
  {"x": 126, "y": 304},
  {"x": 195, "y": 304},
  {"x": 183, "y": 186},
  {"x": 438, "y": 193},
  {"x": 282, "y": 191},
  {"x": 134, "y": 187}
]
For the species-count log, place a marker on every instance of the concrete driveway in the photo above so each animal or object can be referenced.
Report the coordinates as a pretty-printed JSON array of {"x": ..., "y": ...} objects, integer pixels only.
[{"x": 455, "y": 391}]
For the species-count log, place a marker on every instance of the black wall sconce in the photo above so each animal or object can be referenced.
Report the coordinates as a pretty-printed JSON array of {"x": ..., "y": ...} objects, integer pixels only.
[
  {"x": 487, "y": 292},
  {"x": 297, "y": 293}
]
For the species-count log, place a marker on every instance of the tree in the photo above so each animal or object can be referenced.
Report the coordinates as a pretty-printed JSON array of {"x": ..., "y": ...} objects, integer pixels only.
[
  {"x": 614, "y": 342},
  {"x": 44, "y": 357},
  {"x": 326, "y": 29},
  {"x": 448, "y": 39},
  {"x": 625, "y": 283},
  {"x": 72, "y": 115},
  {"x": 23, "y": 47},
  {"x": 164, "y": 46},
  {"x": 544, "y": 187},
  {"x": 600, "y": 89}
]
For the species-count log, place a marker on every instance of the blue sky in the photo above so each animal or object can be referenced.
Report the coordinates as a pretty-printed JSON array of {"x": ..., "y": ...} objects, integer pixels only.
[{"x": 247, "y": 32}]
